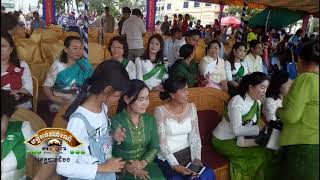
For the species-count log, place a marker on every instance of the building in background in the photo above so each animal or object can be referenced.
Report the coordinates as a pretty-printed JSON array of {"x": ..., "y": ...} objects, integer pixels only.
[
  {"x": 201, "y": 11},
  {"x": 25, "y": 6}
]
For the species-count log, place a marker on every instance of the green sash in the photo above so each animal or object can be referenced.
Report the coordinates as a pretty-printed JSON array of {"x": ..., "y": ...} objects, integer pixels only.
[
  {"x": 158, "y": 68},
  {"x": 79, "y": 71},
  {"x": 240, "y": 73},
  {"x": 247, "y": 118},
  {"x": 125, "y": 62},
  {"x": 14, "y": 142}
]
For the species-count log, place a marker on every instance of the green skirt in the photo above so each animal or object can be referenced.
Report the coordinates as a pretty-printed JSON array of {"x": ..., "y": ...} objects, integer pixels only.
[
  {"x": 154, "y": 171},
  {"x": 252, "y": 163},
  {"x": 300, "y": 162}
]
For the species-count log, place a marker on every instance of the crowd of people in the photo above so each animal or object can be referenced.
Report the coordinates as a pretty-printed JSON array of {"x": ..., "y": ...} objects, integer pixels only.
[{"x": 134, "y": 144}]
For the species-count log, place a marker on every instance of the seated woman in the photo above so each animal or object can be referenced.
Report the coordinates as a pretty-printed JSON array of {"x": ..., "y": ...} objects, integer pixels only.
[
  {"x": 118, "y": 49},
  {"x": 151, "y": 67},
  {"x": 185, "y": 67},
  {"x": 67, "y": 74},
  {"x": 239, "y": 124},
  {"x": 15, "y": 74},
  {"x": 253, "y": 60},
  {"x": 178, "y": 132},
  {"x": 235, "y": 67},
  {"x": 13, "y": 149},
  {"x": 140, "y": 145},
  {"x": 212, "y": 67},
  {"x": 89, "y": 122},
  {"x": 280, "y": 84}
]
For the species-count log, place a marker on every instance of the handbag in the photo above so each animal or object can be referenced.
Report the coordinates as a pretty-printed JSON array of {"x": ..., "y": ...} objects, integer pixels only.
[
  {"x": 270, "y": 134},
  {"x": 183, "y": 156},
  {"x": 22, "y": 98}
]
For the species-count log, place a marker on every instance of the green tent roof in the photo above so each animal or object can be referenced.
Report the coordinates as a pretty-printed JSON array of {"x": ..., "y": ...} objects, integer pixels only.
[{"x": 278, "y": 18}]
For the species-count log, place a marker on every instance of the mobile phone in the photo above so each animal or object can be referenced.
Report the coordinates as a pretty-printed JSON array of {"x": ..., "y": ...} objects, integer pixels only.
[{"x": 195, "y": 168}]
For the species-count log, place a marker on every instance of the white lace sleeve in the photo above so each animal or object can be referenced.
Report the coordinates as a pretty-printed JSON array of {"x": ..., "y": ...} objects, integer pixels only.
[
  {"x": 194, "y": 136},
  {"x": 269, "y": 109},
  {"x": 163, "y": 138}
]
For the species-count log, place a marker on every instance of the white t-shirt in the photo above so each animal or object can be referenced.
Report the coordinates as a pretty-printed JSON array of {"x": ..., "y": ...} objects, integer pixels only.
[
  {"x": 133, "y": 28},
  {"x": 253, "y": 64},
  {"x": 82, "y": 166}
]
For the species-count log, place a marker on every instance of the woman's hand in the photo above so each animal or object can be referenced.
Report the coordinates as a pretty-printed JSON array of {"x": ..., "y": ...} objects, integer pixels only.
[
  {"x": 142, "y": 174},
  {"x": 136, "y": 165},
  {"x": 119, "y": 134},
  {"x": 22, "y": 90},
  {"x": 182, "y": 170},
  {"x": 197, "y": 162},
  {"x": 60, "y": 100},
  {"x": 111, "y": 165}
]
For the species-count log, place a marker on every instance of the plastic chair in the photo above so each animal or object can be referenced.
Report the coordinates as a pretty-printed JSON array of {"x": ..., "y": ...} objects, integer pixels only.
[{"x": 35, "y": 93}]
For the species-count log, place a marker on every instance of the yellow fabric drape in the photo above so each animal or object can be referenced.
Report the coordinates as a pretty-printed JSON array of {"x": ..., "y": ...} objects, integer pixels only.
[
  {"x": 51, "y": 50},
  {"x": 96, "y": 53},
  {"x": 51, "y": 35},
  {"x": 66, "y": 34},
  {"x": 28, "y": 50},
  {"x": 107, "y": 37}
]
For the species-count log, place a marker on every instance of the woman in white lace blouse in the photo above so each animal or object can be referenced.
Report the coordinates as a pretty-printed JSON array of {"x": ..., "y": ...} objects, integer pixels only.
[
  {"x": 178, "y": 130},
  {"x": 279, "y": 87}
]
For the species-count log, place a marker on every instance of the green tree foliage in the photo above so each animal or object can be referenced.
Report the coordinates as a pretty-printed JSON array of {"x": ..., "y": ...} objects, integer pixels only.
[{"x": 233, "y": 10}]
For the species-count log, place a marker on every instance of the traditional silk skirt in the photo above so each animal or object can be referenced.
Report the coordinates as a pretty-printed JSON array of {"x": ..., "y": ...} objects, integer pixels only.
[
  {"x": 300, "y": 162},
  {"x": 251, "y": 163}
]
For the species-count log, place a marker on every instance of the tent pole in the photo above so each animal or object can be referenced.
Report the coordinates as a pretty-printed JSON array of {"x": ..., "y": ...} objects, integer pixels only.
[
  {"x": 266, "y": 27},
  {"x": 85, "y": 29}
]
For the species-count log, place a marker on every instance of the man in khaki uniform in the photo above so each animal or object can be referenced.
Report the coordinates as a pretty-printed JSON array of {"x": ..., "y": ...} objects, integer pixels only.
[{"x": 107, "y": 21}]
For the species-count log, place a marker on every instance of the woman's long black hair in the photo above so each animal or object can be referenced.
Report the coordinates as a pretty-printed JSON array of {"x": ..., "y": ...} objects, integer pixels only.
[
  {"x": 232, "y": 56},
  {"x": 172, "y": 85},
  {"x": 135, "y": 87},
  {"x": 108, "y": 73},
  {"x": 277, "y": 79},
  {"x": 14, "y": 59},
  {"x": 159, "y": 56},
  {"x": 252, "y": 79}
]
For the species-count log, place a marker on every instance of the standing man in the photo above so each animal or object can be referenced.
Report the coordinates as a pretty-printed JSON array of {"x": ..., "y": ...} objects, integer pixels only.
[
  {"x": 165, "y": 26},
  {"x": 172, "y": 45},
  {"x": 125, "y": 15},
  {"x": 37, "y": 23},
  {"x": 175, "y": 21},
  {"x": 134, "y": 28},
  {"x": 107, "y": 21},
  {"x": 185, "y": 24}
]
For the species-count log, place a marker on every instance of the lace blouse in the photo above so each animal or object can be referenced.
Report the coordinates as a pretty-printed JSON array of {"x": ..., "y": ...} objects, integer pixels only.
[{"x": 177, "y": 132}]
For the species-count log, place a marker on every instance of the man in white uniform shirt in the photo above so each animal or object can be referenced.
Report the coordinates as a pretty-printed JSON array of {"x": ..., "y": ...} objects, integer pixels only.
[
  {"x": 172, "y": 45},
  {"x": 253, "y": 60},
  {"x": 134, "y": 28}
]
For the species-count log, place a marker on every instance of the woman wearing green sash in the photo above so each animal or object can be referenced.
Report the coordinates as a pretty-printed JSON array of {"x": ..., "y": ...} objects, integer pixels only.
[
  {"x": 67, "y": 74},
  {"x": 118, "y": 49},
  {"x": 140, "y": 145},
  {"x": 233, "y": 135},
  {"x": 151, "y": 67},
  {"x": 235, "y": 68},
  {"x": 13, "y": 149}
]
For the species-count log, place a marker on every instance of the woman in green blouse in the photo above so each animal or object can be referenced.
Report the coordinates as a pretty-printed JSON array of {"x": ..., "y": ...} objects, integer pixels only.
[
  {"x": 140, "y": 146},
  {"x": 300, "y": 116},
  {"x": 185, "y": 67}
]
